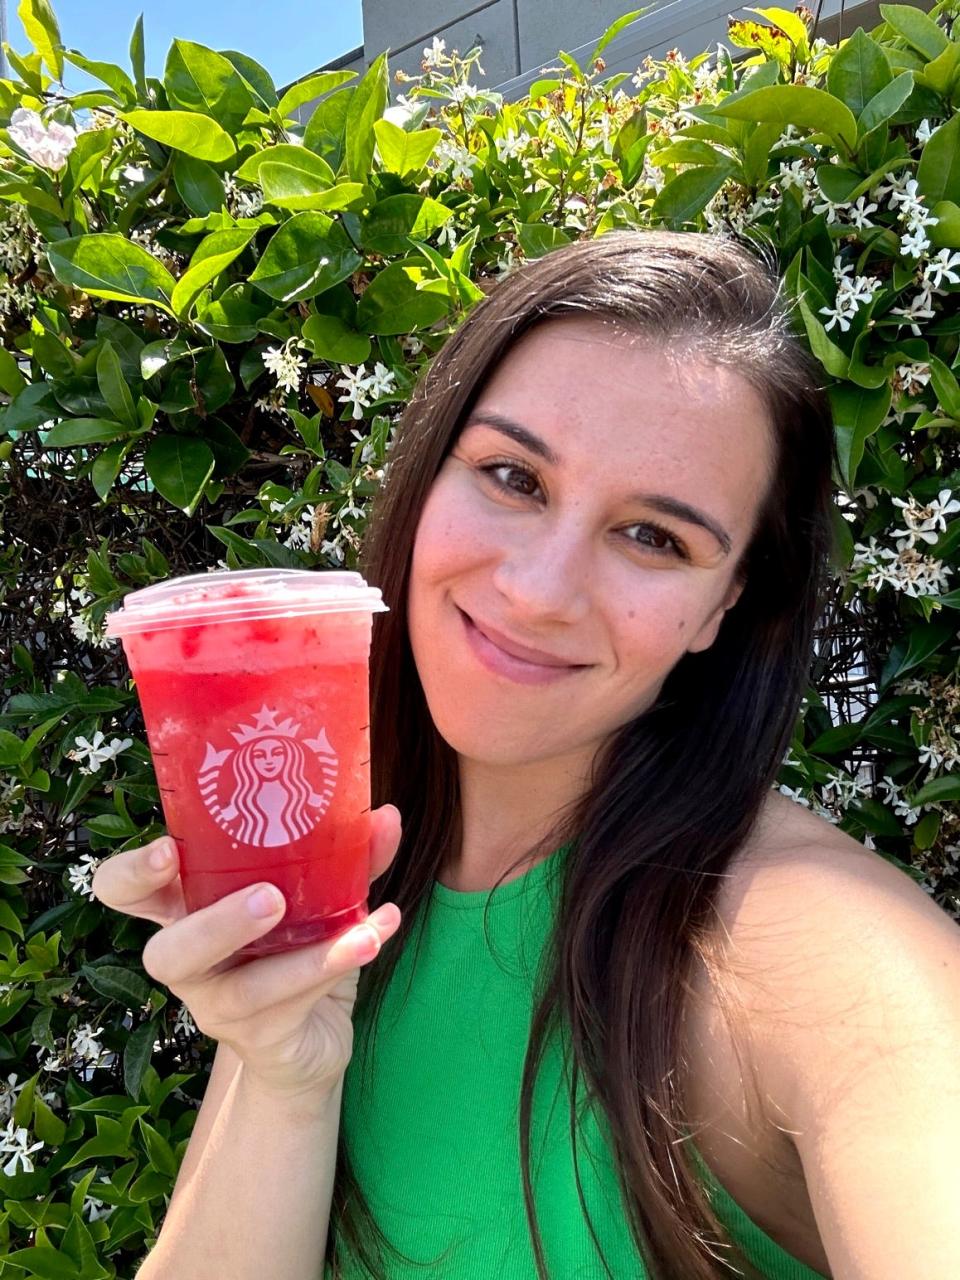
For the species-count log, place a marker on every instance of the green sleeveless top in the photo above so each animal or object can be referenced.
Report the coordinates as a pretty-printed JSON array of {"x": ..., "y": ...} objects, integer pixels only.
[{"x": 432, "y": 1123}]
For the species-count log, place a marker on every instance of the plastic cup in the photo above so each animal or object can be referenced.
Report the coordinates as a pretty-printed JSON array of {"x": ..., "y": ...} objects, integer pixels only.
[{"x": 254, "y": 687}]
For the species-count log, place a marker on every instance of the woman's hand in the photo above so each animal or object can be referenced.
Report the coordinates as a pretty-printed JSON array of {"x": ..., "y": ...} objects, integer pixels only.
[{"x": 288, "y": 1016}]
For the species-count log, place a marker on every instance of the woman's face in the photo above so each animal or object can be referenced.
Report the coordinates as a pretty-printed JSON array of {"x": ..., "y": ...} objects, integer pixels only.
[
  {"x": 546, "y": 608},
  {"x": 268, "y": 756}
]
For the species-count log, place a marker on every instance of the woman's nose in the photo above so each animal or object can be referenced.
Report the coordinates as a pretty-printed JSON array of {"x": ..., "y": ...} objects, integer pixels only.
[{"x": 544, "y": 573}]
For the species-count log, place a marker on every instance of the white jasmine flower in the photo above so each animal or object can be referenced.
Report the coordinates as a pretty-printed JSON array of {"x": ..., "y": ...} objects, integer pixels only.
[
  {"x": 274, "y": 402},
  {"x": 411, "y": 344},
  {"x": 285, "y": 364},
  {"x": 924, "y": 131},
  {"x": 10, "y": 1090},
  {"x": 914, "y": 243},
  {"x": 919, "y": 308},
  {"x": 357, "y": 385},
  {"x": 461, "y": 160},
  {"x": 926, "y": 522},
  {"x": 852, "y": 292},
  {"x": 796, "y": 795},
  {"x": 184, "y": 1020},
  {"x": 433, "y": 53},
  {"x": 93, "y": 1208},
  {"x": 15, "y": 1142},
  {"x": 464, "y": 92},
  {"x": 511, "y": 144},
  {"x": 913, "y": 377},
  {"x": 48, "y": 146},
  {"x": 80, "y": 875},
  {"x": 793, "y": 174},
  {"x": 133, "y": 173},
  {"x": 367, "y": 452},
  {"x": 92, "y": 755},
  {"x": 941, "y": 266},
  {"x": 860, "y": 211},
  {"x": 85, "y": 1045}
]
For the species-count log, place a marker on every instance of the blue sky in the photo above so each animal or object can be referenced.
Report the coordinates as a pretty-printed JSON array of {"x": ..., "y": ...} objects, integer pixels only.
[{"x": 289, "y": 37}]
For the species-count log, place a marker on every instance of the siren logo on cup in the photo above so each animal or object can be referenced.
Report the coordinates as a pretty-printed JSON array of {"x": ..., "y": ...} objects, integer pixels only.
[{"x": 272, "y": 788}]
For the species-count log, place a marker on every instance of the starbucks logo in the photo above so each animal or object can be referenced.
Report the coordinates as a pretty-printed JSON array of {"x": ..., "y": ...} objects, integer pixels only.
[{"x": 274, "y": 786}]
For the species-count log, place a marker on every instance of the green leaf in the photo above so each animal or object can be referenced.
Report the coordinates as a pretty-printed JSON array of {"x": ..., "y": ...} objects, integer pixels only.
[
  {"x": 110, "y": 266},
  {"x": 833, "y": 358},
  {"x": 331, "y": 339},
  {"x": 615, "y": 28},
  {"x": 292, "y": 156},
  {"x": 136, "y": 1057},
  {"x": 156, "y": 356},
  {"x": 198, "y": 80},
  {"x": 913, "y": 648},
  {"x": 366, "y": 105},
  {"x": 199, "y": 184},
  {"x": 137, "y": 59},
  {"x": 538, "y": 238},
  {"x": 389, "y": 223},
  {"x": 885, "y": 103},
  {"x": 325, "y": 129},
  {"x": 392, "y": 303},
  {"x": 12, "y": 380},
  {"x": 256, "y": 78},
  {"x": 111, "y": 75},
  {"x": 402, "y": 152},
  {"x": 116, "y": 983},
  {"x": 186, "y": 131},
  {"x": 858, "y": 71},
  {"x": 917, "y": 28},
  {"x": 310, "y": 88},
  {"x": 106, "y": 467},
  {"x": 685, "y": 196},
  {"x": 234, "y": 316},
  {"x": 938, "y": 790},
  {"x": 9, "y": 919},
  {"x": 32, "y": 407},
  {"x": 840, "y": 738},
  {"x": 857, "y": 413},
  {"x": 42, "y": 1261},
  {"x": 114, "y": 389},
  {"x": 43, "y": 33},
  {"x": 876, "y": 817},
  {"x": 73, "y": 433},
  {"x": 799, "y": 105},
  {"x": 48, "y": 1127},
  {"x": 211, "y": 257},
  {"x": 180, "y": 467},
  {"x": 938, "y": 173},
  {"x": 306, "y": 255},
  {"x": 158, "y": 1149},
  {"x": 290, "y": 186}
]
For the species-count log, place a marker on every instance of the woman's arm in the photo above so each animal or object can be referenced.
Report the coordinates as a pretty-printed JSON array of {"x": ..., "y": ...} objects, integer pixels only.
[
  {"x": 254, "y": 1199},
  {"x": 856, "y": 1032}
]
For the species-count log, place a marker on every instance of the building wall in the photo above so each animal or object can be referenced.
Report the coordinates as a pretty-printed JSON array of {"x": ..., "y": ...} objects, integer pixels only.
[{"x": 521, "y": 37}]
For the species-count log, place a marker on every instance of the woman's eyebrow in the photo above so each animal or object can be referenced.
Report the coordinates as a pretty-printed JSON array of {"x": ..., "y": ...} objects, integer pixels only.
[{"x": 662, "y": 502}]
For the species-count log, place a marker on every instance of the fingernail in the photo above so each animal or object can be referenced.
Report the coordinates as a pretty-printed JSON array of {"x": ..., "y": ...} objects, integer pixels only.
[
  {"x": 263, "y": 902},
  {"x": 160, "y": 857},
  {"x": 366, "y": 942}
]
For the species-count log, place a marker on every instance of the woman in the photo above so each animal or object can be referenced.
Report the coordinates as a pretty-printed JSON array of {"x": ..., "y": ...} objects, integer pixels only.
[{"x": 688, "y": 1002}]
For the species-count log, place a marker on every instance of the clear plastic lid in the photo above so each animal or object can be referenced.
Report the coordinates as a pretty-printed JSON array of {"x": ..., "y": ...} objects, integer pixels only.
[{"x": 234, "y": 595}]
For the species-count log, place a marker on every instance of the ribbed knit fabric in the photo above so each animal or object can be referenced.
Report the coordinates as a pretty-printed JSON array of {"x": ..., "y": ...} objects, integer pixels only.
[{"x": 432, "y": 1116}]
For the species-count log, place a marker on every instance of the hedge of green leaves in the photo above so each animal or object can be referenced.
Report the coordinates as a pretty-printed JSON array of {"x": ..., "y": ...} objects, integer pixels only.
[{"x": 212, "y": 314}]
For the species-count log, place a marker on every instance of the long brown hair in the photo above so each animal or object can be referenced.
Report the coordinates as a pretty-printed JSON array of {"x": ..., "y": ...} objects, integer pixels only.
[{"x": 676, "y": 792}]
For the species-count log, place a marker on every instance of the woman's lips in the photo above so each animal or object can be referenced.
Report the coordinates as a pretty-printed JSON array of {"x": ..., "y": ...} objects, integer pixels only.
[{"x": 511, "y": 665}]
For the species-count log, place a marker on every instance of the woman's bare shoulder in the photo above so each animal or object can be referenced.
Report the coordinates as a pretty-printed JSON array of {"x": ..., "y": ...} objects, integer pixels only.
[
  {"x": 812, "y": 925},
  {"x": 797, "y": 864}
]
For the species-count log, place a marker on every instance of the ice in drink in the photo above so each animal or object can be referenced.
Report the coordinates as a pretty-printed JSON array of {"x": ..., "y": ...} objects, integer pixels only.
[{"x": 255, "y": 693}]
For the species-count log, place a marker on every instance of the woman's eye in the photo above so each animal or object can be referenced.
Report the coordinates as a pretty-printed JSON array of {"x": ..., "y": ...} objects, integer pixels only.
[
  {"x": 514, "y": 479},
  {"x": 656, "y": 538}
]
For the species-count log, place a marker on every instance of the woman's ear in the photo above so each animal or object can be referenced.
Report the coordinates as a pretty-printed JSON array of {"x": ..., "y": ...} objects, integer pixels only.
[{"x": 708, "y": 632}]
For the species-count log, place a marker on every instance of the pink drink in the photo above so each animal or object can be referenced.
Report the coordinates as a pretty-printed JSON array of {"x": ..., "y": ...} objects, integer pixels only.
[{"x": 255, "y": 692}]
